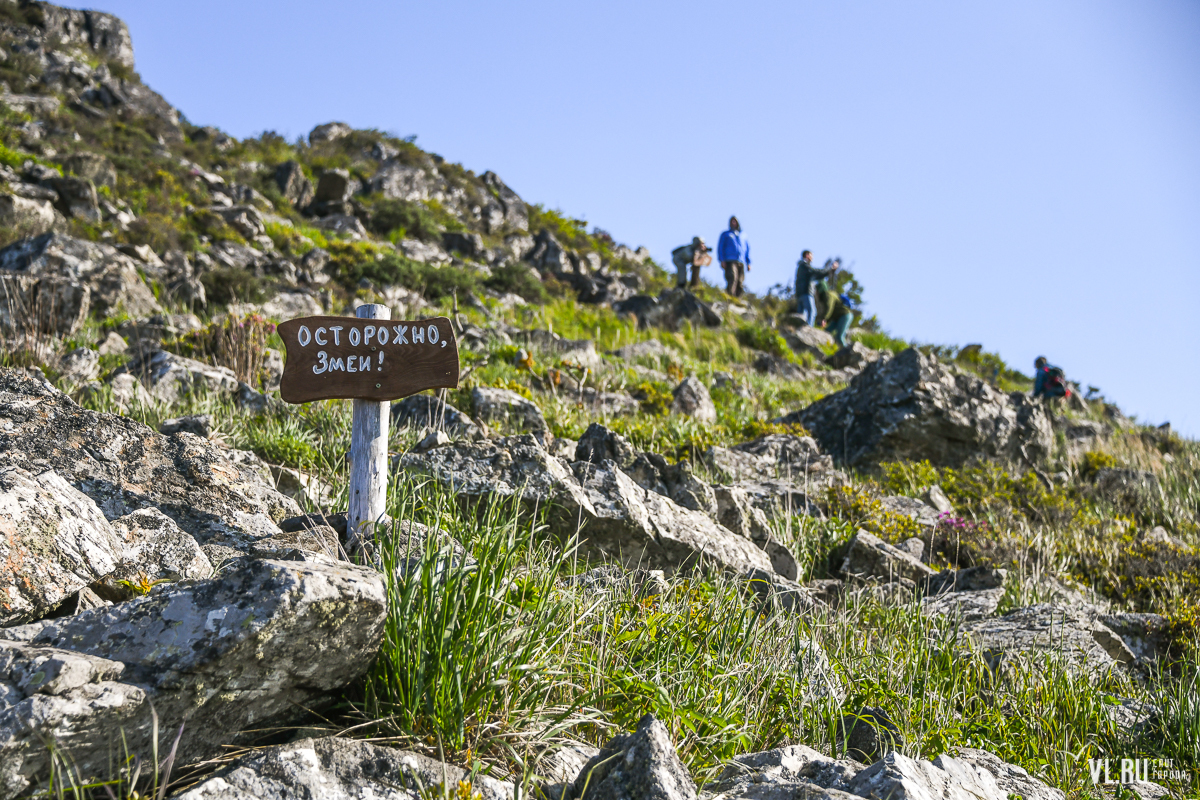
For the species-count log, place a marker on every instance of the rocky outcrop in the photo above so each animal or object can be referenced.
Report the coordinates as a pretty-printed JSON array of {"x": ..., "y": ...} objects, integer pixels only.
[
  {"x": 642, "y": 765},
  {"x": 912, "y": 407},
  {"x": 669, "y": 310},
  {"x": 692, "y": 400},
  {"x": 110, "y": 276},
  {"x": 508, "y": 408},
  {"x": 616, "y": 519},
  {"x": 170, "y": 377},
  {"x": 53, "y": 542},
  {"x": 123, "y": 466},
  {"x": 427, "y": 411},
  {"x": 339, "y": 769},
  {"x": 254, "y": 647},
  {"x": 1076, "y": 634}
]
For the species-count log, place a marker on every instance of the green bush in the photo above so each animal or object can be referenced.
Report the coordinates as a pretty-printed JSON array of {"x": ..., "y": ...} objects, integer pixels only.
[
  {"x": 760, "y": 337},
  {"x": 518, "y": 279},
  {"x": 229, "y": 285},
  {"x": 403, "y": 219}
]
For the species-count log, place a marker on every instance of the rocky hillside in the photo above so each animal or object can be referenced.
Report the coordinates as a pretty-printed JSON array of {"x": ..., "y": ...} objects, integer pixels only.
[{"x": 658, "y": 543}]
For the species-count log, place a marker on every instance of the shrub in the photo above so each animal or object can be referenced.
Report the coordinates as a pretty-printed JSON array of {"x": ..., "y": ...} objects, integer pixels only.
[
  {"x": 404, "y": 219},
  {"x": 237, "y": 343},
  {"x": 229, "y": 285},
  {"x": 519, "y": 279},
  {"x": 1093, "y": 461}
]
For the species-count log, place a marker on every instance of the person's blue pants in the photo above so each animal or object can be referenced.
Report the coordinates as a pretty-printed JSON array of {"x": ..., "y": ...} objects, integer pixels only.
[
  {"x": 840, "y": 328},
  {"x": 806, "y": 304}
]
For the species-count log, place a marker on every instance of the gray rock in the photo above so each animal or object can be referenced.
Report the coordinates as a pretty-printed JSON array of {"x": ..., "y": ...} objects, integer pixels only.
[
  {"x": 334, "y": 186},
  {"x": 671, "y": 309},
  {"x": 642, "y": 765},
  {"x": 924, "y": 515},
  {"x": 1144, "y": 634},
  {"x": 170, "y": 377},
  {"x": 735, "y": 512},
  {"x": 55, "y": 542},
  {"x": 854, "y": 356},
  {"x": 195, "y": 424},
  {"x": 127, "y": 391},
  {"x": 1009, "y": 777},
  {"x": 428, "y": 411},
  {"x": 808, "y": 339},
  {"x": 466, "y": 244},
  {"x": 935, "y": 497},
  {"x": 578, "y": 352},
  {"x": 971, "y": 579},
  {"x": 329, "y": 132},
  {"x": 620, "y": 521},
  {"x": 911, "y": 407},
  {"x": 339, "y": 769},
  {"x": 779, "y": 367},
  {"x": 153, "y": 549},
  {"x": 795, "y": 766},
  {"x": 110, "y": 276},
  {"x": 423, "y": 251},
  {"x": 293, "y": 184},
  {"x": 30, "y": 217},
  {"x": 246, "y": 220},
  {"x": 1073, "y": 633},
  {"x": 641, "y": 582},
  {"x": 123, "y": 466},
  {"x": 869, "y": 735},
  {"x": 94, "y": 167},
  {"x": 902, "y": 778},
  {"x": 693, "y": 400},
  {"x": 113, "y": 344},
  {"x": 516, "y": 214},
  {"x": 870, "y": 558},
  {"x": 651, "y": 348},
  {"x": 914, "y": 547},
  {"x": 347, "y": 224},
  {"x": 77, "y": 198},
  {"x": 506, "y": 406},
  {"x": 963, "y": 605},
  {"x": 599, "y": 444},
  {"x": 770, "y": 456},
  {"x": 1130, "y": 487},
  {"x": 75, "y": 700},
  {"x": 250, "y": 649},
  {"x": 47, "y": 304},
  {"x": 79, "y": 365}
]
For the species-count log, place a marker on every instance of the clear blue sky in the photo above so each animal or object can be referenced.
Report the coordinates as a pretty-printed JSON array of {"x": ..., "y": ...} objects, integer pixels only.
[{"x": 1021, "y": 174}]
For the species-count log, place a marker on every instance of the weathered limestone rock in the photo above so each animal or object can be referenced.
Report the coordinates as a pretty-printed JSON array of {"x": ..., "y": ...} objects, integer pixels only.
[
  {"x": 1009, "y": 777},
  {"x": 911, "y": 407},
  {"x": 153, "y": 548},
  {"x": 53, "y": 542},
  {"x": 123, "y": 466},
  {"x": 771, "y": 456},
  {"x": 195, "y": 424},
  {"x": 170, "y": 377},
  {"x": 669, "y": 310},
  {"x": 506, "y": 406},
  {"x": 44, "y": 304},
  {"x": 620, "y": 520},
  {"x": 110, "y": 275},
  {"x": 642, "y": 765},
  {"x": 855, "y": 356},
  {"x": 902, "y": 778},
  {"x": 339, "y": 769},
  {"x": 28, "y": 216},
  {"x": 870, "y": 558},
  {"x": 329, "y": 132},
  {"x": 252, "y": 648},
  {"x": 1074, "y": 633},
  {"x": 693, "y": 400}
]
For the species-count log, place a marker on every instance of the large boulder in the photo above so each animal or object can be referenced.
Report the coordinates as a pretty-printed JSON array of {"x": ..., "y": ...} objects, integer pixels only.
[
  {"x": 329, "y": 132},
  {"x": 53, "y": 542},
  {"x": 45, "y": 304},
  {"x": 77, "y": 198},
  {"x": 170, "y": 377},
  {"x": 339, "y": 769},
  {"x": 123, "y": 466},
  {"x": 947, "y": 778},
  {"x": 669, "y": 310},
  {"x": 293, "y": 184},
  {"x": 642, "y": 765},
  {"x": 912, "y": 407},
  {"x": 110, "y": 275},
  {"x": 506, "y": 406},
  {"x": 428, "y": 411},
  {"x": 616, "y": 519},
  {"x": 25, "y": 216},
  {"x": 693, "y": 400},
  {"x": 870, "y": 558},
  {"x": 253, "y": 648}
]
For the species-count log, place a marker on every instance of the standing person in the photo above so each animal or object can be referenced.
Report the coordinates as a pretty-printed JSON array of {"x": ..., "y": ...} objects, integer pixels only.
[
  {"x": 695, "y": 255},
  {"x": 1048, "y": 380},
  {"x": 806, "y": 281},
  {"x": 733, "y": 251},
  {"x": 839, "y": 319}
]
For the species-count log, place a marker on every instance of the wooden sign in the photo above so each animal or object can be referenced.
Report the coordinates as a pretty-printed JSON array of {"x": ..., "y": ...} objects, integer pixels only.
[{"x": 366, "y": 359}]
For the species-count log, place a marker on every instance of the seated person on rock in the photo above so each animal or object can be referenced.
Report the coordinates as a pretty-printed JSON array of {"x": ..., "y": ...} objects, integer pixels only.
[
  {"x": 1049, "y": 380},
  {"x": 839, "y": 319},
  {"x": 695, "y": 255}
]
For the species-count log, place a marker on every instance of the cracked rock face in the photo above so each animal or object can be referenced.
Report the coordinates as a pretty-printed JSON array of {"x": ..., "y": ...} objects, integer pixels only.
[
  {"x": 642, "y": 765},
  {"x": 911, "y": 407},
  {"x": 621, "y": 521},
  {"x": 254, "y": 647},
  {"x": 338, "y": 769},
  {"x": 53, "y": 542},
  {"x": 123, "y": 466}
]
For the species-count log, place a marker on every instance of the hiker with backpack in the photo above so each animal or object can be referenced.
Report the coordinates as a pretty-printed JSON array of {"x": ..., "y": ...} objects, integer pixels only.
[
  {"x": 1049, "y": 380},
  {"x": 695, "y": 255},
  {"x": 839, "y": 318},
  {"x": 733, "y": 251},
  {"x": 806, "y": 285}
]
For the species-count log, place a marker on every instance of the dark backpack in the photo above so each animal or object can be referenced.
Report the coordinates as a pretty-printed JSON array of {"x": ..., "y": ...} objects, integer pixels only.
[{"x": 1056, "y": 381}]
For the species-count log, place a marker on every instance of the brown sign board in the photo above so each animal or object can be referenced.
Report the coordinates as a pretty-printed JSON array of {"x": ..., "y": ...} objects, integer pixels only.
[{"x": 366, "y": 359}]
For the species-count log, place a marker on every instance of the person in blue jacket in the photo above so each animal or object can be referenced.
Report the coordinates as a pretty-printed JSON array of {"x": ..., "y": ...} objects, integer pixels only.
[
  {"x": 733, "y": 251},
  {"x": 1048, "y": 380}
]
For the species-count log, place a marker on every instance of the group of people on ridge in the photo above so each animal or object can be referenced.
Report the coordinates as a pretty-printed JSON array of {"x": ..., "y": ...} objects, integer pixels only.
[{"x": 815, "y": 301}]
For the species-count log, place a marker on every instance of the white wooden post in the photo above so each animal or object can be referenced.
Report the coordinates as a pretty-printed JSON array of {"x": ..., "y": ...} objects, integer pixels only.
[{"x": 368, "y": 455}]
